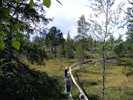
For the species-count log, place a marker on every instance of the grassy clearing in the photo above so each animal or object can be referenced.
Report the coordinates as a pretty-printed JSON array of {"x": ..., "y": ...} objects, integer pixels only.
[
  {"x": 53, "y": 68},
  {"x": 118, "y": 86}
]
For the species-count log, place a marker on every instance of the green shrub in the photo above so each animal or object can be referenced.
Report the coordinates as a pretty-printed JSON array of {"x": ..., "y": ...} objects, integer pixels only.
[{"x": 27, "y": 84}]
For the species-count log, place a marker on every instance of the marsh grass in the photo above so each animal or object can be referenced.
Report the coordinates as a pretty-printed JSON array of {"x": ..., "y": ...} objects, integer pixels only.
[
  {"x": 52, "y": 67},
  {"x": 118, "y": 86}
]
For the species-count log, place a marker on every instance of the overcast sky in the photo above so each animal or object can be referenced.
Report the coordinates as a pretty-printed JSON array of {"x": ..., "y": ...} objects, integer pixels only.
[{"x": 66, "y": 16}]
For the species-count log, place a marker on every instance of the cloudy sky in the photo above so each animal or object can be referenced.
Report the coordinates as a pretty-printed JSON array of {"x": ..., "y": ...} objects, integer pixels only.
[{"x": 66, "y": 16}]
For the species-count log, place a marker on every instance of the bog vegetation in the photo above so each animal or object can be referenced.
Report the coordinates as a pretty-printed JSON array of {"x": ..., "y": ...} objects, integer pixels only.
[{"x": 34, "y": 69}]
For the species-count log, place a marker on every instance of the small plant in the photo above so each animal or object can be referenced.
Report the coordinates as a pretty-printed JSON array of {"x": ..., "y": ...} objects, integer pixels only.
[{"x": 124, "y": 87}]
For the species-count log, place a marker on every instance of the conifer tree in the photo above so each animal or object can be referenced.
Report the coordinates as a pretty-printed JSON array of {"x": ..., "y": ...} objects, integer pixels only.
[
  {"x": 79, "y": 54},
  {"x": 59, "y": 55},
  {"x": 82, "y": 30},
  {"x": 68, "y": 47}
]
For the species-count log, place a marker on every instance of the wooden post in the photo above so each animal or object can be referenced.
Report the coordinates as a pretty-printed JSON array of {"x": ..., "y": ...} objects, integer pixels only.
[
  {"x": 91, "y": 52},
  {"x": 99, "y": 52}
]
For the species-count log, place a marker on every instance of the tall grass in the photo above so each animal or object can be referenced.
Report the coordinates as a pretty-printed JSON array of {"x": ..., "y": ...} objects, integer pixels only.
[
  {"x": 52, "y": 67},
  {"x": 118, "y": 86}
]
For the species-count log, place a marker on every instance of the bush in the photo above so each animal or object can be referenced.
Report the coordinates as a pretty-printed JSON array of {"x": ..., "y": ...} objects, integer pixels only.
[{"x": 27, "y": 84}]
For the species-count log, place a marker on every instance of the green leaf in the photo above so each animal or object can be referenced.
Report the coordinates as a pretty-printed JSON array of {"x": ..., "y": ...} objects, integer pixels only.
[
  {"x": 2, "y": 59},
  {"x": 19, "y": 26},
  {"x": 5, "y": 31},
  {"x": 16, "y": 44},
  {"x": 0, "y": 37},
  {"x": 19, "y": 35},
  {"x": 6, "y": 11},
  {"x": 19, "y": 0},
  {"x": 31, "y": 3},
  {"x": 12, "y": 26},
  {"x": 47, "y": 3},
  {"x": 2, "y": 45}
]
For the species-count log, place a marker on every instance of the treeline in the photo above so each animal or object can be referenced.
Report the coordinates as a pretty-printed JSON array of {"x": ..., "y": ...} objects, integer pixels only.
[{"x": 53, "y": 39}]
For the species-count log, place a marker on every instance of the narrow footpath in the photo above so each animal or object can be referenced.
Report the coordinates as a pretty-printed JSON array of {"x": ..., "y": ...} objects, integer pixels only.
[{"x": 70, "y": 72}]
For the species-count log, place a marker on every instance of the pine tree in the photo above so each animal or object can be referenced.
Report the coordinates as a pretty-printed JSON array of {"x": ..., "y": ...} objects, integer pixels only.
[
  {"x": 67, "y": 47},
  {"x": 79, "y": 54},
  {"x": 59, "y": 55},
  {"x": 82, "y": 30}
]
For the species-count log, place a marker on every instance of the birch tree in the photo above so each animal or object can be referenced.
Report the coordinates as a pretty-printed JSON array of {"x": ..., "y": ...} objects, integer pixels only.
[{"x": 105, "y": 20}]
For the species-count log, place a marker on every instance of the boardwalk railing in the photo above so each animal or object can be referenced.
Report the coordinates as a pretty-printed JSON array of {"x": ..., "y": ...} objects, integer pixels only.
[{"x": 76, "y": 82}]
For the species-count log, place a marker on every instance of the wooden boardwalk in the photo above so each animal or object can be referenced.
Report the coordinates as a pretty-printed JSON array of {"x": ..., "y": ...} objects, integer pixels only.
[
  {"x": 75, "y": 81},
  {"x": 70, "y": 95}
]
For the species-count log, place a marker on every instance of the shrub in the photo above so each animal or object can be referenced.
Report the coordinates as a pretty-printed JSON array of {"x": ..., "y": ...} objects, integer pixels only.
[{"x": 27, "y": 84}]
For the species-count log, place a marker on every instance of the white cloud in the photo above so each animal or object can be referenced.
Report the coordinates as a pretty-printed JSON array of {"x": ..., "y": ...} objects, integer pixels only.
[{"x": 66, "y": 16}]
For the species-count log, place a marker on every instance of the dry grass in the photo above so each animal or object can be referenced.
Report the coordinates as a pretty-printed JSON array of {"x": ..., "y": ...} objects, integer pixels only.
[
  {"x": 118, "y": 86},
  {"x": 53, "y": 68}
]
